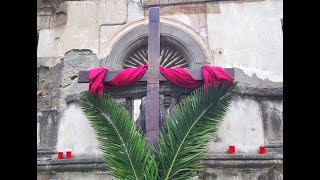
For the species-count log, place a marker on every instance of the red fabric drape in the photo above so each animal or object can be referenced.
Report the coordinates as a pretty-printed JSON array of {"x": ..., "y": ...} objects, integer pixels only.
[
  {"x": 211, "y": 75},
  {"x": 96, "y": 80},
  {"x": 127, "y": 77},
  {"x": 215, "y": 75},
  {"x": 179, "y": 77}
]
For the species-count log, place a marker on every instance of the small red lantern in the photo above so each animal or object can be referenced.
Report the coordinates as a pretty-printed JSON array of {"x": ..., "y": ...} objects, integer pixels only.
[
  {"x": 232, "y": 149},
  {"x": 68, "y": 155},
  {"x": 60, "y": 155},
  {"x": 262, "y": 150}
]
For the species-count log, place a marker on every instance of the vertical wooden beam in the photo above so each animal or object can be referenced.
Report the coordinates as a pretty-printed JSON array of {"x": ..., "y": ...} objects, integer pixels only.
[{"x": 152, "y": 104}]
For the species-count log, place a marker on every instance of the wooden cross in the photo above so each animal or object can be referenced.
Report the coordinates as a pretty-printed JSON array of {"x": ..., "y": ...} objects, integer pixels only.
[{"x": 152, "y": 77}]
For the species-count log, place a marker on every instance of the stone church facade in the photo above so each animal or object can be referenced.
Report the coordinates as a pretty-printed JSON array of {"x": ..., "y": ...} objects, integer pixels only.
[{"x": 245, "y": 35}]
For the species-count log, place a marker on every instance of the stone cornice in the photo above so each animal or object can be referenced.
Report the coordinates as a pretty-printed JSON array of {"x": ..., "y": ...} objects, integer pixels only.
[{"x": 212, "y": 161}]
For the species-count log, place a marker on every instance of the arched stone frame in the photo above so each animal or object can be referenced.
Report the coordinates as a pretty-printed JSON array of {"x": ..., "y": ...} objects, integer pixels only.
[
  {"x": 184, "y": 38},
  {"x": 173, "y": 33}
]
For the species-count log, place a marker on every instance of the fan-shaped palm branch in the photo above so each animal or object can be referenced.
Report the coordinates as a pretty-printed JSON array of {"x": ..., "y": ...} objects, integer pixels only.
[
  {"x": 122, "y": 144},
  {"x": 185, "y": 134}
]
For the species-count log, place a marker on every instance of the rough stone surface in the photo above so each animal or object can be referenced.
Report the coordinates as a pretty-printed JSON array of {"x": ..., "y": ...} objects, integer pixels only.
[
  {"x": 52, "y": 81},
  {"x": 75, "y": 61},
  {"x": 254, "y": 80},
  {"x": 48, "y": 86},
  {"x": 243, "y": 161},
  {"x": 213, "y": 161},
  {"x": 272, "y": 122},
  {"x": 44, "y": 13},
  {"x": 75, "y": 97},
  {"x": 42, "y": 75},
  {"x": 43, "y": 22},
  {"x": 57, "y": 82},
  {"x": 275, "y": 173},
  {"x": 216, "y": 167},
  {"x": 71, "y": 165},
  {"x": 72, "y": 98},
  {"x": 48, "y": 61},
  {"x": 254, "y": 86},
  {"x": 76, "y": 176},
  {"x": 48, "y": 122},
  {"x": 241, "y": 174},
  {"x": 265, "y": 93}
]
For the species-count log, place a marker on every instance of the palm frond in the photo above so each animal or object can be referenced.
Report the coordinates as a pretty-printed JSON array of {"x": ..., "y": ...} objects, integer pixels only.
[
  {"x": 122, "y": 144},
  {"x": 181, "y": 143}
]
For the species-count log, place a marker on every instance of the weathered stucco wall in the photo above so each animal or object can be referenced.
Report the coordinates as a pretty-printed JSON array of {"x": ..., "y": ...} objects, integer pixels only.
[
  {"x": 240, "y": 128},
  {"x": 81, "y": 28},
  {"x": 75, "y": 133},
  {"x": 249, "y": 36},
  {"x": 82, "y": 25},
  {"x": 78, "y": 35}
]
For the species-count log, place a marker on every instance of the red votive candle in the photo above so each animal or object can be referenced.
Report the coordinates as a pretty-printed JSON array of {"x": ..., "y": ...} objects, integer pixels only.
[
  {"x": 68, "y": 155},
  {"x": 60, "y": 155},
  {"x": 232, "y": 149},
  {"x": 262, "y": 150}
]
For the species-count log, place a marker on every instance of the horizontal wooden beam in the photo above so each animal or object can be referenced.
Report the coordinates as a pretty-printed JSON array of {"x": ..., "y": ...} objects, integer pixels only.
[{"x": 195, "y": 73}]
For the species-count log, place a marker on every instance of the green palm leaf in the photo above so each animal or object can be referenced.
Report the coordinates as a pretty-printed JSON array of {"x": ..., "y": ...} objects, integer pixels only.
[
  {"x": 122, "y": 144},
  {"x": 181, "y": 143}
]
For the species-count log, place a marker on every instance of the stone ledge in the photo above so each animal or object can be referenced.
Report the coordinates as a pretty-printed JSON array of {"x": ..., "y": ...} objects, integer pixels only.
[
  {"x": 244, "y": 157},
  {"x": 274, "y": 148},
  {"x": 244, "y": 160},
  {"x": 265, "y": 92},
  {"x": 45, "y": 152},
  {"x": 216, "y": 160},
  {"x": 71, "y": 165}
]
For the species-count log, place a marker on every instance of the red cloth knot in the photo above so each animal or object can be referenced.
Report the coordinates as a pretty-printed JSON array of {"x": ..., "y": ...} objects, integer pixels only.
[{"x": 96, "y": 76}]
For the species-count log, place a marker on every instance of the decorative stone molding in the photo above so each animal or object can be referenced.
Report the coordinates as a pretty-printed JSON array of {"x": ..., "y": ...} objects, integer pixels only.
[{"x": 174, "y": 33}]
